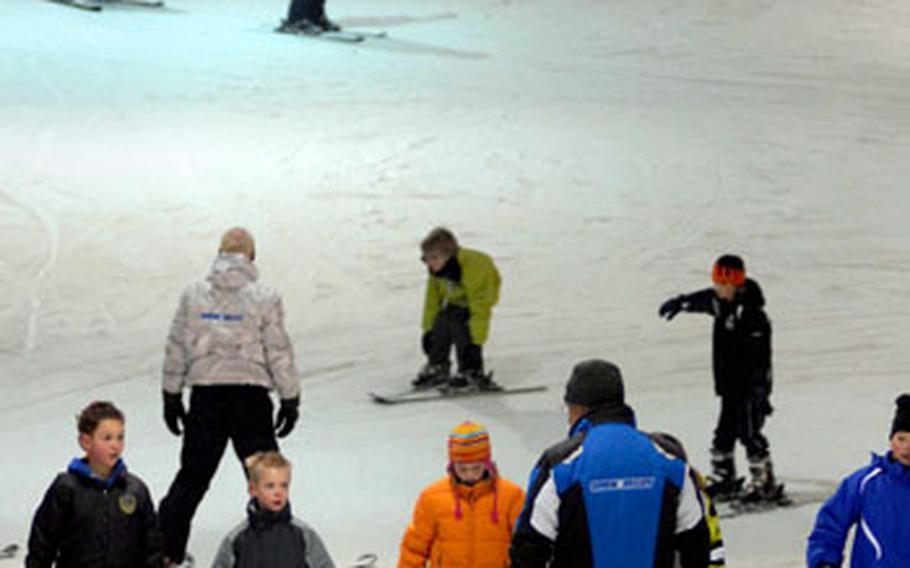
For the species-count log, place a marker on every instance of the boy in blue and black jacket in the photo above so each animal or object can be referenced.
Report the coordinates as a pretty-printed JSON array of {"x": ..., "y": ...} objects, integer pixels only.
[
  {"x": 96, "y": 514},
  {"x": 876, "y": 499}
]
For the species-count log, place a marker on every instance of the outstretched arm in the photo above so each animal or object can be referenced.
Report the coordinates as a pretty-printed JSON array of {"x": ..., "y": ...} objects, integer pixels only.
[{"x": 702, "y": 301}]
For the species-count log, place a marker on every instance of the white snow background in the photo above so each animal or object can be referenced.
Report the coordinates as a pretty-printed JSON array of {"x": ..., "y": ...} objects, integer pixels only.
[{"x": 603, "y": 151}]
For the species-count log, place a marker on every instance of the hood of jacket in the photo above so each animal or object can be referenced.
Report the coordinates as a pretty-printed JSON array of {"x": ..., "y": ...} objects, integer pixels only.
[
  {"x": 750, "y": 294},
  {"x": 80, "y": 468},
  {"x": 262, "y": 519},
  {"x": 892, "y": 467},
  {"x": 232, "y": 271}
]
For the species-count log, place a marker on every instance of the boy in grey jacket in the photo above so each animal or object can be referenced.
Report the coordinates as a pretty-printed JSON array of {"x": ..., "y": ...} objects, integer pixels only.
[
  {"x": 228, "y": 344},
  {"x": 271, "y": 537}
]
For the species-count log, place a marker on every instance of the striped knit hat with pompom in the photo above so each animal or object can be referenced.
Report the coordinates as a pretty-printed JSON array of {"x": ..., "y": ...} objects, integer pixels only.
[{"x": 469, "y": 442}]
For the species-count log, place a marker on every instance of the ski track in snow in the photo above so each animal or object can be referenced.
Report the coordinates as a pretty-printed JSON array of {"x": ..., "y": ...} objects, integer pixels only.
[{"x": 604, "y": 158}]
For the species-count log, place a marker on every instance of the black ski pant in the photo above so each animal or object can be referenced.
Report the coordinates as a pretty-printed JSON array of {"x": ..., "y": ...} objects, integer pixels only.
[
  {"x": 312, "y": 10},
  {"x": 741, "y": 418},
  {"x": 451, "y": 328},
  {"x": 239, "y": 413}
]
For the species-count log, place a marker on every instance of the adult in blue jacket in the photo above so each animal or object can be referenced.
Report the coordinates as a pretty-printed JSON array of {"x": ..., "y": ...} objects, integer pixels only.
[
  {"x": 876, "y": 499},
  {"x": 608, "y": 496}
]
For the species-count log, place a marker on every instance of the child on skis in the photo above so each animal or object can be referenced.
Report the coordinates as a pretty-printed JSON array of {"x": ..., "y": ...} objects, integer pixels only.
[
  {"x": 465, "y": 519},
  {"x": 270, "y": 537},
  {"x": 462, "y": 288},
  {"x": 742, "y": 375},
  {"x": 874, "y": 499},
  {"x": 96, "y": 513}
]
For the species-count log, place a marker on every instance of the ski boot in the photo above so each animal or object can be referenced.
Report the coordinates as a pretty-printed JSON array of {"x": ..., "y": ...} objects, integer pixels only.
[
  {"x": 722, "y": 484},
  {"x": 472, "y": 379},
  {"x": 327, "y": 25},
  {"x": 763, "y": 487},
  {"x": 431, "y": 375},
  {"x": 304, "y": 26}
]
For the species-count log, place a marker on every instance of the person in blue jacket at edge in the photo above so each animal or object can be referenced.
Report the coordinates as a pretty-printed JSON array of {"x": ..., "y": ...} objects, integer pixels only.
[{"x": 876, "y": 499}]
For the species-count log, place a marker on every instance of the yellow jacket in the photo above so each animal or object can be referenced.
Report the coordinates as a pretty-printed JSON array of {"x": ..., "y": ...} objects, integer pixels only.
[
  {"x": 478, "y": 539},
  {"x": 478, "y": 291}
]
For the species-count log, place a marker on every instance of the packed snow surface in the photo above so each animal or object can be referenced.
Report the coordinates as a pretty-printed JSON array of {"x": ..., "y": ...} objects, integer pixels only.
[{"x": 604, "y": 153}]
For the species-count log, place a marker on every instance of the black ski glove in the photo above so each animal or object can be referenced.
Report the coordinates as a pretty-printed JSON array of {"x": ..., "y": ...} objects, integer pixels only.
[
  {"x": 174, "y": 413},
  {"x": 287, "y": 416},
  {"x": 670, "y": 308}
]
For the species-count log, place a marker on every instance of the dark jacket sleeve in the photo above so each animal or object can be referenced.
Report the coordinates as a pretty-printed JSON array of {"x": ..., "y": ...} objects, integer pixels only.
[
  {"x": 530, "y": 548},
  {"x": 699, "y": 302},
  {"x": 44, "y": 539},
  {"x": 694, "y": 546},
  {"x": 837, "y": 515}
]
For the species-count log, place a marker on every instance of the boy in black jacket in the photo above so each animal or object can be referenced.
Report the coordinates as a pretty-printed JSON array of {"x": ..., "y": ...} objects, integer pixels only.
[
  {"x": 270, "y": 537},
  {"x": 742, "y": 374},
  {"x": 96, "y": 514}
]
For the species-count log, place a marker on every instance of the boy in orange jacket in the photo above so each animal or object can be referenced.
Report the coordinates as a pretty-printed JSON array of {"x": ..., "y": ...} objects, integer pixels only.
[{"x": 465, "y": 519}]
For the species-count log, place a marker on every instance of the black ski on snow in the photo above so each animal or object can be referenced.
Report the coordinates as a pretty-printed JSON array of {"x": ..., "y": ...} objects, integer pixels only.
[
  {"x": 88, "y": 6},
  {"x": 425, "y": 395},
  {"x": 9, "y": 551},
  {"x": 142, "y": 3},
  {"x": 98, "y": 5},
  {"x": 347, "y": 36}
]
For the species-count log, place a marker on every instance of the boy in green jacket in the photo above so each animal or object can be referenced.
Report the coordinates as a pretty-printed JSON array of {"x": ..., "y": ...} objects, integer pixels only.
[{"x": 462, "y": 288}]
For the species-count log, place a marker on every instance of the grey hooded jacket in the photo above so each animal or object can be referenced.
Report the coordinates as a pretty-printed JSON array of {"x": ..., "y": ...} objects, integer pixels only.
[{"x": 229, "y": 330}]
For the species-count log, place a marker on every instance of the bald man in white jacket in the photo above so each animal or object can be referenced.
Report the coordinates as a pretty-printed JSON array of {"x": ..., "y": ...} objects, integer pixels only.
[{"x": 227, "y": 343}]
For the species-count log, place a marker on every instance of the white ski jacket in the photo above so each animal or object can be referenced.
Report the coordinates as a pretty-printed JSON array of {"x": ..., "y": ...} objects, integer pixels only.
[{"x": 229, "y": 330}]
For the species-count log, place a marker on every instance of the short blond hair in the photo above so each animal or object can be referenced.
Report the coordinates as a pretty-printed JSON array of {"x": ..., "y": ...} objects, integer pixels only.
[
  {"x": 238, "y": 240},
  {"x": 261, "y": 461}
]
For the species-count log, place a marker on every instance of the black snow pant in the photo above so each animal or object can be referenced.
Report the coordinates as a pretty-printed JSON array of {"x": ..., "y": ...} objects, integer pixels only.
[
  {"x": 741, "y": 418},
  {"x": 451, "y": 328},
  {"x": 312, "y": 10},
  {"x": 239, "y": 413}
]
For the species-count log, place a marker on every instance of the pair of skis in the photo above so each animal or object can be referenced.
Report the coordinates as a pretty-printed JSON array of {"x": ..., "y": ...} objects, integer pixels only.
[
  {"x": 98, "y": 5},
  {"x": 445, "y": 392}
]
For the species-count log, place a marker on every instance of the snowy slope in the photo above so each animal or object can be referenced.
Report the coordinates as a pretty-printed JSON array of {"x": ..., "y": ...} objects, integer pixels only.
[{"x": 604, "y": 152}]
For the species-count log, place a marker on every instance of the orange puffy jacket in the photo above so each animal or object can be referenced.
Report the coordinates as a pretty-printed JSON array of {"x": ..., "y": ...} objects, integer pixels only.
[{"x": 478, "y": 539}]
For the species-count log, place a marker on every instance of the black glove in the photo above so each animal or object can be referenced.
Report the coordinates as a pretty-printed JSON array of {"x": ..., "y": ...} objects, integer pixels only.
[
  {"x": 174, "y": 413},
  {"x": 427, "y": 342},
  {"x": 287, "y": 416},
  {"x": 670, "y": 308}
]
